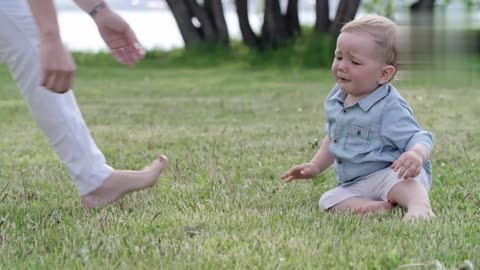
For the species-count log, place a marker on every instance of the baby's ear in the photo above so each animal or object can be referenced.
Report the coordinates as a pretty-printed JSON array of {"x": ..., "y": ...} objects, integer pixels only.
[{"x": 387, "y": 74}]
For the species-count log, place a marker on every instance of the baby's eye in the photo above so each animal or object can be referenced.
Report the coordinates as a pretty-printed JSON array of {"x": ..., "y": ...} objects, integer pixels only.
[
  {"x": 338, "y": 57},
  {"x": 355, "y": 63}
]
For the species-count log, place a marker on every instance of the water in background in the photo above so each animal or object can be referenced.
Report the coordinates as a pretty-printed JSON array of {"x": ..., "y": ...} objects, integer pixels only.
[{"x": 156, "y": 27}]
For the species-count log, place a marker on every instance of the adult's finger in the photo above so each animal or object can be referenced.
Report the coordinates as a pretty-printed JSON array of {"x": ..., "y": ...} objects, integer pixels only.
[
  {"x": 133, "y": 41},
  {"x": 128, "y": 56},
  {"x": 65, "y": 82},
  {"x": 123, "y": 56},
  {"x": 139, "y": 50},
  {"x": 48, "y": 81},
  {"x": 57, "y": 82}
]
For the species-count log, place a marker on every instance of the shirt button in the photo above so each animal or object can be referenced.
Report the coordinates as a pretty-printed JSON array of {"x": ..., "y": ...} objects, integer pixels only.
[
  {"x": 339, "y": 161},
  {"x": 344, "y": 111},
  {"x": 335, "y": 140}
]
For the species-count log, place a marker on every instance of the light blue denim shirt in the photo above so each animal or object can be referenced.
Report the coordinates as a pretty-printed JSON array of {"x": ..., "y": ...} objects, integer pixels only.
[{"x": 371, "y": 134}]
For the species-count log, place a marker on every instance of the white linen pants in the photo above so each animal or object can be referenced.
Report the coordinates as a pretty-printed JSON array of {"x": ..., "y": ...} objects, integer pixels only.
[{"x": 57, "y": 115}]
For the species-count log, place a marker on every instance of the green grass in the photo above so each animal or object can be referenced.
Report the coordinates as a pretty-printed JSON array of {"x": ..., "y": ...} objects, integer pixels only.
[{"x": 229, "y": 133}]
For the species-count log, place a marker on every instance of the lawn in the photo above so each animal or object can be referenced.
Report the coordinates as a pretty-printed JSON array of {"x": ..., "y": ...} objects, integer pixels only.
[{"x": 229, "y": 132}]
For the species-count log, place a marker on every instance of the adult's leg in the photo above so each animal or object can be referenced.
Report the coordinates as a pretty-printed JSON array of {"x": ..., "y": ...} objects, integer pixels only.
[{"x": 59, "y": 117}]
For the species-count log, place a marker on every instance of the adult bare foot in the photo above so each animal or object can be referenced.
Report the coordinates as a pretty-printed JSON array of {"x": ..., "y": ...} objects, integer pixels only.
[{"x": 122, "y": 182}]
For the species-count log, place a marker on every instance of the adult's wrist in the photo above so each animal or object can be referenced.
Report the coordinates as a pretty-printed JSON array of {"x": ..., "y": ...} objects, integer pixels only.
[{"x": 98, "y": 9}]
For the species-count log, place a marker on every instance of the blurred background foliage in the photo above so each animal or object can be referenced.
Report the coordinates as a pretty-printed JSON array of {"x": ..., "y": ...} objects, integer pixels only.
[{"x": 431, "y": 35}]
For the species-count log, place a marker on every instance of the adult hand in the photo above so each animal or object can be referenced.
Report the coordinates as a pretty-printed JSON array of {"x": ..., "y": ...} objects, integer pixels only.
[
  {"x": 119, "y": 37},
  {"x": 58, "y": 66},
  {"x": 408, "y": 165},
  {"x": 303, "y": 171}
]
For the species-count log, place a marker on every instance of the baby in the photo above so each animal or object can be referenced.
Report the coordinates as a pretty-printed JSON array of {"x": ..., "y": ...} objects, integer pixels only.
[{"x": 381, "y": 154}]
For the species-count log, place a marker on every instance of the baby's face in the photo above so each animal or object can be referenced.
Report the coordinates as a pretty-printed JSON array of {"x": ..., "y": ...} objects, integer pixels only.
[{"x": 357, "y": 68}]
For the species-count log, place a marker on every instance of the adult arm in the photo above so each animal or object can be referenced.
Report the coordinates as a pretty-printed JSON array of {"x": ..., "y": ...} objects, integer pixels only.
[
  {"x": 115, "y": 31},
  {"x": 57, "y": 64}
]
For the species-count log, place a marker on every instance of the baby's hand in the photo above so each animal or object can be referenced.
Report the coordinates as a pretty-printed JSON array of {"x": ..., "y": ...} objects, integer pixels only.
[
  {"x": 304, "y": 171},
  {"x": 408, "y": 165}
]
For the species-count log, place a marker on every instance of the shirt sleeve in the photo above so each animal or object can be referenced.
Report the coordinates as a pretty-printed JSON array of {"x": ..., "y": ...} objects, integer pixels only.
[{"x": 398, "y": 127}]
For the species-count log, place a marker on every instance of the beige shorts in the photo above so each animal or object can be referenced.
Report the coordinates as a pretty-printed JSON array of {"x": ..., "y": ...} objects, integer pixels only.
[{"x": 374, "y": 186}]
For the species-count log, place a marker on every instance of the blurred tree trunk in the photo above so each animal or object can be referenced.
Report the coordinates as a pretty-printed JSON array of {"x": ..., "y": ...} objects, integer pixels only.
[
  {"x": 249, "y": 37},
  {"x": 422, "y": 35},
  {"x": 425, "y": 5},
  {"x": 215, "y": 13},
  {"x": 291, "y": 18},
  {"x": 322, "y": 22},
  {"x": 276, "y": 28},
  {"x": 346, "y": 11},
  {"x": 183, "y": 15},
  {"x": 211, "y": 28}
]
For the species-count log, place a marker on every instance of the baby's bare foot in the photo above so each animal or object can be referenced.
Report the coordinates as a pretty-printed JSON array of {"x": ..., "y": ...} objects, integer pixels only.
[
  {"x": 419, "y": 213},
  {"x": 374, "y": 207},
  {"x": 124, "y": 181}
]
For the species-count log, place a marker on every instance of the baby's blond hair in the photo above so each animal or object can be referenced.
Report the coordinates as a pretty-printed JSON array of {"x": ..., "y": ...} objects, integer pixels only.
[{"x": 382, "y": 30}]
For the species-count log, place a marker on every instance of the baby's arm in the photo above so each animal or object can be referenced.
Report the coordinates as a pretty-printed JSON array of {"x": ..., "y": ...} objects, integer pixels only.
[
  {"x": 410, "y": 163},
  {"x": 320, "y": 162},
  {"x": 401, "y": 130},
  {"x": 422, "y": 150},
  {"x": 323, "y": 159}
]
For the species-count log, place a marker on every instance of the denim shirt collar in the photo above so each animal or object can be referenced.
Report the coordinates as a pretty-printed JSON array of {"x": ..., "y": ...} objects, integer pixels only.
[{"x": 367, "y": 102}]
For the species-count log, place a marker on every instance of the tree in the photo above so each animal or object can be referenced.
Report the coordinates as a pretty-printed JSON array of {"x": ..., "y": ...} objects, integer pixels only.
[
  {"x": 205, "y": 23},
  {"x": 346, "y": 11},
  {"x": 422, "y": 34},
  {"x": 322, "y": 22},
  {"x": 422, "y": 5},
  {"x": 277, "y": 27},
  {"x": 200, "y": 24},
  {"x": 249, "y": 37}
]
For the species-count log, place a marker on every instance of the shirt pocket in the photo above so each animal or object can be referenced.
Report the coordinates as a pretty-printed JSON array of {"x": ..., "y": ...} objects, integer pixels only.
[{"x": 358, "y": 138}]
